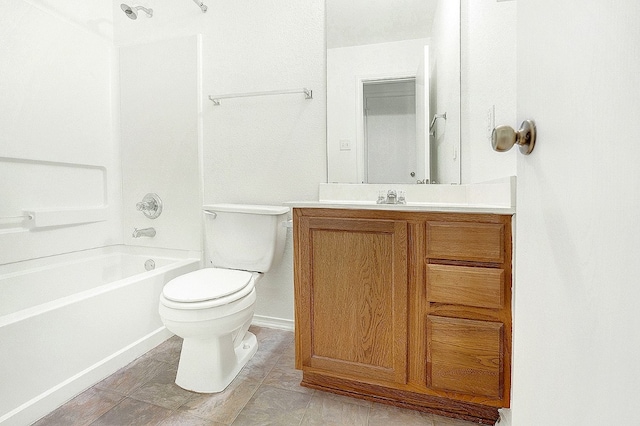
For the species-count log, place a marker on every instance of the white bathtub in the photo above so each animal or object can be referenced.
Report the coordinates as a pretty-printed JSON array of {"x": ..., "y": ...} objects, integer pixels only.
[{"x": 68, "y": 321}]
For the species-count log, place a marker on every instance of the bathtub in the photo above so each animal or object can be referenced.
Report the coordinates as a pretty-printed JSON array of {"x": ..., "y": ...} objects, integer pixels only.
[{"x": 70, "y": 320}]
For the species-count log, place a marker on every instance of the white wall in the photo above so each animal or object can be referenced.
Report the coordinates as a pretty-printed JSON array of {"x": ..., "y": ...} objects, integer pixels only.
[
  {"x": 577, "y": 328},
  {"x": 255, "y": 150},
  {"x": 57, "y": 149},
  {"x": 345, "y": 66},
  {"x": 160, "y": 118},
  {"x": 488, "y": 70},
  {"x": 444, "y": 78}
]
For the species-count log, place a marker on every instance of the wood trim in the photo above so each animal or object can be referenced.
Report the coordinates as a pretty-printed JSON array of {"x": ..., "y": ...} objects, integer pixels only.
[{"x": 442, "y": 406}]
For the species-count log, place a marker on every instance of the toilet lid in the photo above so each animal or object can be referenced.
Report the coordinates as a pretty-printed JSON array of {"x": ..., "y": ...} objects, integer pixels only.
[{"x": 206, "y": 284}]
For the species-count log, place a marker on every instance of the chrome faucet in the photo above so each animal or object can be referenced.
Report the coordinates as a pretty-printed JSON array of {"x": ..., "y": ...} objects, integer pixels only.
[
  {"x": 392, "y": 197},
  {"x": 145, "y": 232}
]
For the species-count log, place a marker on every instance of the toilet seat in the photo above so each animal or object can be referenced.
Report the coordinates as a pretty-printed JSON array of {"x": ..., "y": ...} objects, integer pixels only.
[{"x": 206, "y": 284}]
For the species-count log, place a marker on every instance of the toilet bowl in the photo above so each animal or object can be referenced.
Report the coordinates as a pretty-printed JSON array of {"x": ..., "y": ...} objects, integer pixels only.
[
  {"x": 212, "y": 308},
  {"x": 213, "y": 323}
]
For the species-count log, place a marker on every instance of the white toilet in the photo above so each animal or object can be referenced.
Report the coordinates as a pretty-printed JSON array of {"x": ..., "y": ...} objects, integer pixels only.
[{"x": 212, "y": 308}]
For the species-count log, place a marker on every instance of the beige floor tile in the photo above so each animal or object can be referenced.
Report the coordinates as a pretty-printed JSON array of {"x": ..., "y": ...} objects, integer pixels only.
[
  {"x": 133, "y": 413},
  {"x": 272, "y": 340},
  {"x": 266, "y": 392},
  {"x": 272, "y": 406},
  {"x": 286, "y": 378},
  {"x": 161, "y": 390},
  {"x": 284, "y": 375},
  {"x": 168, "y": 351},
  {"x": 388, "y": 415},
  {"x": 128, "y": 379},
  {"x": 182, "y": 418},
  {"x": 222, "y": 407},
  {"x": 327, "y": 411},
  {"x": 83, "y": 409},
  {"x": 345, "y": 399},
  {"x": 167, "y": 395},
  {"x": 260, "y": 365}
]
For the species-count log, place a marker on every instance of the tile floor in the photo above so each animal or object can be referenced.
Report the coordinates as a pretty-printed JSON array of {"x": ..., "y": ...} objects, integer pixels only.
[{"x": 266, "y": 392}]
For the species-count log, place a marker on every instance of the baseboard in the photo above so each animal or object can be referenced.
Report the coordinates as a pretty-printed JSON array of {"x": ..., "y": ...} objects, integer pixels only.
[
  {"x": 272, "y": 322},
  {"x": 54, "y": 397}
]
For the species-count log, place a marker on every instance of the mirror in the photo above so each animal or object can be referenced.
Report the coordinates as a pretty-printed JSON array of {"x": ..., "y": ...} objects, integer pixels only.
[
  {"x": 393, "y": 91},
  {"x": 469, "y": 63}
]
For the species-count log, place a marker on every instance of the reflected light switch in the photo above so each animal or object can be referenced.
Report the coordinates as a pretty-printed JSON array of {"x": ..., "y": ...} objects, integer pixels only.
[{"x": 345, "y": 145}]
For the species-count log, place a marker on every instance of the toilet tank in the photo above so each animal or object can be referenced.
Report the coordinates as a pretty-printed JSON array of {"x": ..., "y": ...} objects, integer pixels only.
[{"x": 243, "y": 236}]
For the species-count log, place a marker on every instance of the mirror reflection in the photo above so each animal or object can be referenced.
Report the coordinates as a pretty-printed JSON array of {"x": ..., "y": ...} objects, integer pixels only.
[{"x": 393, "y": 91}]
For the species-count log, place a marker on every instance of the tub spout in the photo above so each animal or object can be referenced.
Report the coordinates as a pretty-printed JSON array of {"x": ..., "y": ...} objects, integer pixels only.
[{"x": 145, "y": 232}]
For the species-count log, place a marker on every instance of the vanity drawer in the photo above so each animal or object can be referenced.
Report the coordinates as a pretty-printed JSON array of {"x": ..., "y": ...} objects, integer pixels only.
[
  {"x": 476, "y": 242},
  {"x": 469, "y": 286},
  {"x": 465, "y": 356}
]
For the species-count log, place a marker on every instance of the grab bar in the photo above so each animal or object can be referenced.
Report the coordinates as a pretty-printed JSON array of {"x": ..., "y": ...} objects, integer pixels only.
[{"x": 16, "y": 218}]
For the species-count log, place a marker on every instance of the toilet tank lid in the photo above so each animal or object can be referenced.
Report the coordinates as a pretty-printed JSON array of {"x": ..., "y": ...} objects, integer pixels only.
[
  {"x": 206, "y": 284},
  {"x": 246, "y": 208}
]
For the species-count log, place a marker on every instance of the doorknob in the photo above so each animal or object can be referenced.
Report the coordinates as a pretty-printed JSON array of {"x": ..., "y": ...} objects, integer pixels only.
[{"x": 504, "y": 137}]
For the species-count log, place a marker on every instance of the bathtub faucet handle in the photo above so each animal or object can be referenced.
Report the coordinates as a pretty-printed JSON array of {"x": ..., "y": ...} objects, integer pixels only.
[
  {"x": 141, "y": 206},
  {"x": 151, "y": 206}
]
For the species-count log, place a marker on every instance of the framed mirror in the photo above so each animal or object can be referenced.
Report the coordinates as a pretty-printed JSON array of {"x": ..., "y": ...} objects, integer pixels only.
[{"x": 393, "y": 91}]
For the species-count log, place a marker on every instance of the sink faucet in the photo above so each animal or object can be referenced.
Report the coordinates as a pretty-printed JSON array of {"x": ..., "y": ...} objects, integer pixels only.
[
  {"x": 145, "y": 232},
  {"x": 392, "y": 197}
]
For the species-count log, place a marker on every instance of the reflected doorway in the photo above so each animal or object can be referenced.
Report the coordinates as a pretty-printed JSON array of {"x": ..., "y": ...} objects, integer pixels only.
[{"x": 389, "y": 110}]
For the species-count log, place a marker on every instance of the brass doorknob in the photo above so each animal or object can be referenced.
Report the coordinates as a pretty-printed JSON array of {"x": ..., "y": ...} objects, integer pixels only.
[{"x": 504, "y": 137}]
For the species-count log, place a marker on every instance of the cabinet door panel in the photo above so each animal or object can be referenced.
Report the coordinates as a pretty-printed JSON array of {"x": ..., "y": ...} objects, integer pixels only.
[
  {"x": 465, "y": 356},
  {"x": 356, "y": 281}
]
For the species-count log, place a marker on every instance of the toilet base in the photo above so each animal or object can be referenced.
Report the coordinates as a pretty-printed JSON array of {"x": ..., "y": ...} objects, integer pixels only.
[{"x": 209, "y": 366}]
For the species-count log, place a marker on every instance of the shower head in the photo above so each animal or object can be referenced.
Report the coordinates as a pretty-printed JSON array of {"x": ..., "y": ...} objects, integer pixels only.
[
  {"x": 132, "y": 13},
  {"x": 201, "y": 5}
]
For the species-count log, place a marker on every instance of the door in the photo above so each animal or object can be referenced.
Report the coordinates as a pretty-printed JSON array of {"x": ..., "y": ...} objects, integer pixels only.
[
  {"x": 390, "y": 131},
  {"x": 351, "y": 297},
  {"x": 577, "y": 328}
]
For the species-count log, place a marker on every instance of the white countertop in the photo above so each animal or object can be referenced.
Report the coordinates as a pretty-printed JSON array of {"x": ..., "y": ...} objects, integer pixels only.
[
  {"x": 409, "y": 207},
  {"x": 494, "y": 197}
]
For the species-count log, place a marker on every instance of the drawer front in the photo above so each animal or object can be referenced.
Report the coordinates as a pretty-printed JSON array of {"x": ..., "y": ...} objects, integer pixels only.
[
  {"x": 469, "y": 286},
  {"x": 465, "y": 356},
  {"x": 479, "y": 242}
]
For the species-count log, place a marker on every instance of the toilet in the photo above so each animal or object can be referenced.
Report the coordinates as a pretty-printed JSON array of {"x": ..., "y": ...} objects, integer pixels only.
[{"x": 212, "y": 308}]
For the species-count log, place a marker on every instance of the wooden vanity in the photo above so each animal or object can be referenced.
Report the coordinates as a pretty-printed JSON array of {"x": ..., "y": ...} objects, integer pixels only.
[{"x": 409, "y": 308}]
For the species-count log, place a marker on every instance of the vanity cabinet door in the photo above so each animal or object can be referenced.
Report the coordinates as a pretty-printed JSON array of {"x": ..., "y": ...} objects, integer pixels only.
[{"x": 351, "y": 298}]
